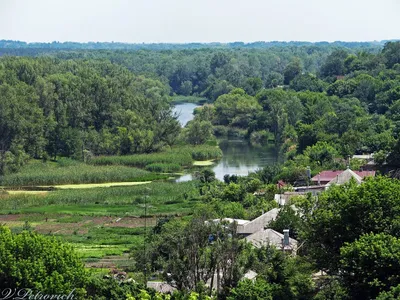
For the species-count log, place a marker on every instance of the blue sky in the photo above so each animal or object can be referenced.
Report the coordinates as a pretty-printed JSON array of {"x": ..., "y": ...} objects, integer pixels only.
[{"x": 180, "y": 21}]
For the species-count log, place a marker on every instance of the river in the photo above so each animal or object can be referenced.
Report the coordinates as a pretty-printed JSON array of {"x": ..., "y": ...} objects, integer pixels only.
[
  {"x": 239, "y": 156},
  {"x": 185, "y": 112}
]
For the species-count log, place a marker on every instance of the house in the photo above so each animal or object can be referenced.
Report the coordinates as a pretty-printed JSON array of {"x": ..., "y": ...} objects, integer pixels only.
[
  {"x": 161, "y": 287},
  {"x": 229, "y": 221},
  {"x": 271, "y": 237},
  {"x": 257, "y": 233},
  {"x": 246, "y": 227},
  {"x": 345, "y": 177},
  {"x": 258, "y": 224},
  {"x": 326, "y": 177}
]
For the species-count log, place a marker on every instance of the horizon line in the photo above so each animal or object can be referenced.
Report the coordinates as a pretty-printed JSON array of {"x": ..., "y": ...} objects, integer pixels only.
[{"x": 197, "y": 42}]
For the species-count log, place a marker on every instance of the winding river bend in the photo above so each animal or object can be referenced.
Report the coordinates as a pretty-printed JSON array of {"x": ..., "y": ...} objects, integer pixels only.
[{"x": 239, "y": 156}]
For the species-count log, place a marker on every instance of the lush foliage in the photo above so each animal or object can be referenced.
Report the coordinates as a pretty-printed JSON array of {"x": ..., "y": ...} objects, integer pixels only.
[
  {"x": 51, "y": 107},
  {"x": 370, "y": 265},
  {"x": 28, "y": 260}
]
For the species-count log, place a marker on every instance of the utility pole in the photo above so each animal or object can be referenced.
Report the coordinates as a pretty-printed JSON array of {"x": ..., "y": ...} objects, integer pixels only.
[
  {"x": 145, "y": 235},
  {"x": 144, "y": 240}
]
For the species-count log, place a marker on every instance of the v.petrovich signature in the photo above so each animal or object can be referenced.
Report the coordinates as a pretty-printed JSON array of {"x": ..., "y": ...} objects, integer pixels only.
[{"x": 19, "y": 294}]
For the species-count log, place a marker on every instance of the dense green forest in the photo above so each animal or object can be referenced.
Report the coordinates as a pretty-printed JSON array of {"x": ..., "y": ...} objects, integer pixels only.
[
  {"x": 96, "y": 113},
  {"x": 51, "y": 107},
  {"x": 118, "y": 102}
]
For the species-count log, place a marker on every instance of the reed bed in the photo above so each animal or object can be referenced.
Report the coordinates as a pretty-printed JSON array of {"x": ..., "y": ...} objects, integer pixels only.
[
  {"x": 163, "y": 168},
  {"x": 179, "y": 156},
  {"x": 38, "y": 173}
]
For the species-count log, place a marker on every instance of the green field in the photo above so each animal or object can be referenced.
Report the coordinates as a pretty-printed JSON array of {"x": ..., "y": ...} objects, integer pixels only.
[
  {"x": 101, "y": 223},
  {"x": 92, "y": 237},
  {"x": 81, "y": 203},
  {"x": 162, "y": 198}
]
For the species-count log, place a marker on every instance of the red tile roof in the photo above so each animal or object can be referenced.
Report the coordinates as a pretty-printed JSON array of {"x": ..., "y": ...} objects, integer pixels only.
[
  {"x": 329, "y": 175},
  {"x": 326, "y": 175}
]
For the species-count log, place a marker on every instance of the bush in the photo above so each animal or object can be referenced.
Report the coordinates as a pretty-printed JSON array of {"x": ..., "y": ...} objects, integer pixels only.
[{"x": 29, "y": 260}]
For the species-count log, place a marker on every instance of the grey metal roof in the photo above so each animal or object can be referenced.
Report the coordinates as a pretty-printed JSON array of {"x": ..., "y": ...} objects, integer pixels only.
[
  {"x": 258, "y": 223},
  {"x": 269, "y": 237}
]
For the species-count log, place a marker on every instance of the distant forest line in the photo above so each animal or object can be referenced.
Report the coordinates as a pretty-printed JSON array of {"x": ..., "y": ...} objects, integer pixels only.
[{"x": 11, "y": 44}]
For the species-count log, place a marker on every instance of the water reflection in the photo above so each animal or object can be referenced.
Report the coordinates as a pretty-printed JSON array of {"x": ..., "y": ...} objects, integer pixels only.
[
  {"x": 185, "y": 111},
  {"x": 239, "y": 158}
]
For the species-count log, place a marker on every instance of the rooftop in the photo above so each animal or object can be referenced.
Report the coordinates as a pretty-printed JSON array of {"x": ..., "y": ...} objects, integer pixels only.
[
  {"x": 345, "y": 177},
  {"x": 258, "y": 223},
  {"x": 269, "y": 237},
  {"x": 327, "y": 176}
]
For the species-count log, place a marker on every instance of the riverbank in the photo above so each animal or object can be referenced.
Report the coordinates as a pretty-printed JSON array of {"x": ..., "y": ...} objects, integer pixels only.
[{"x": 188, "y": 99}]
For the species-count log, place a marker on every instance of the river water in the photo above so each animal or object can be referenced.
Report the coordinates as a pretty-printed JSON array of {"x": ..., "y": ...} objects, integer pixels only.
[
  {"x": 185, "y": 112},
  {"x": 239, "y": 156}
]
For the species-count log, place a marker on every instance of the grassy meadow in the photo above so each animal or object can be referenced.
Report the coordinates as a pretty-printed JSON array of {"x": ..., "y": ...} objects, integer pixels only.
[
  {"x": 162, "y": 198},
  {"x": 101, "y": 223},
  {"x": 99, "y": 207},
  {"x": 94, "y": 238}
]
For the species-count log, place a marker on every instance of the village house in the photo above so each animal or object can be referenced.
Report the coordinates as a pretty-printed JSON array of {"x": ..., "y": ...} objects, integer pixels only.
[
  {"x": 258, "y": 234},
  {"x": 321, "y": 182},
  {"x": 271, "y": 237},
  {"x": 329, "y": 177}
]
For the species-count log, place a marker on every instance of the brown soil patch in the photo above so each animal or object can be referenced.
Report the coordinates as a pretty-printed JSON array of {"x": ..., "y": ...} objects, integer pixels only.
[{"x": 9, "y": 218}]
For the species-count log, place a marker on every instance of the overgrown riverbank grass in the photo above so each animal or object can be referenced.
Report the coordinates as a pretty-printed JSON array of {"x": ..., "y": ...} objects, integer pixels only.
[
  {"x": 163, "y": 168},
  {"x": 179, "y": 156},
  {"x": 162, "y": 198},
  {"x": 67, "y": 171},
  {"x": 188, "y": 99}
]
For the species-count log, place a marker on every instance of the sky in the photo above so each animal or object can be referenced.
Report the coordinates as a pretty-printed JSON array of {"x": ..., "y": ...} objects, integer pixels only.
[{"x": 183, "y": 21}]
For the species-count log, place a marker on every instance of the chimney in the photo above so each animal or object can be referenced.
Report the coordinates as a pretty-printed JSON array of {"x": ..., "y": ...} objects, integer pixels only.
[
  {"x": 308, "y": 171},
  {"x": 285, "y": 238},
  {"x": 319, "y": 179}
]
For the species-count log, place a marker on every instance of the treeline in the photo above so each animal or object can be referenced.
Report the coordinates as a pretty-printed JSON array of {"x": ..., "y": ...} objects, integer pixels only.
[
  {"x": 212, "y": 72},
  {"x": 209, "y": 71},
  {"x": 51, "y": 107},
  {"x": 10, "y": 44}
]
